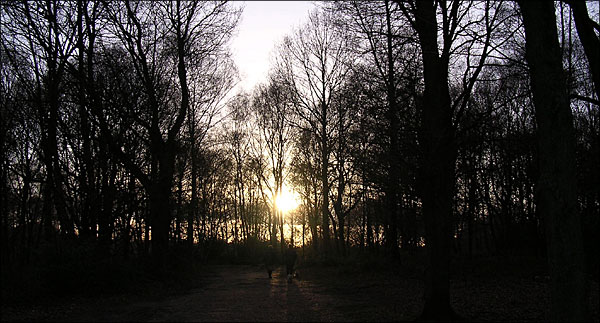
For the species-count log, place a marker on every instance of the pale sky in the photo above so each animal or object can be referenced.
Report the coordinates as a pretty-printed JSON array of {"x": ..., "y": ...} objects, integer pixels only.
[{"x": 263, "y": 24}]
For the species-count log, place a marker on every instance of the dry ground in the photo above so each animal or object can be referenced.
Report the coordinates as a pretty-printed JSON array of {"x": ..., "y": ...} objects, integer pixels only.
[{"x": 245, "y": 293}]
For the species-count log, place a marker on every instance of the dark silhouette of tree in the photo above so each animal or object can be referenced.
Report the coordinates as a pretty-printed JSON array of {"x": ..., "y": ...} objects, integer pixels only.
[
  {"x": 439, "y": 155},
  {"x": 96, "y": 200},
  {"x": 200, "y": 31},
  {"x": 305, "y": 175},
  {"x": 22, "y": 168},
  {"x": 39, "y": 30},
  {"x": 313, "y": 63},
  {"x": 436, "y": 131},
  {"x": 273, "y": 106},
  {"x": 557, "y": 190},
  {"x": 386, "y": 44},
  {"x": 347, "y": 193},
  {"x": 131, "y": 22},
  {"x": 440, "y": 114},
  {"x": 586, "y": 29}
]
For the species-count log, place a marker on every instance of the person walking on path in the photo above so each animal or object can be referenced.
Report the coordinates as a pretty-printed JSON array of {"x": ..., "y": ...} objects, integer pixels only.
[
  {"x": 270, "y": 260},
  {"x": 290, "y": 261}
]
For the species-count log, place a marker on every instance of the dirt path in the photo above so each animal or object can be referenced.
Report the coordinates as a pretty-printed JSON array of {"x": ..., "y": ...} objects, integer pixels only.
[
  {"x": 230, "y": 293},
  {"x": 245, "y": 293}
]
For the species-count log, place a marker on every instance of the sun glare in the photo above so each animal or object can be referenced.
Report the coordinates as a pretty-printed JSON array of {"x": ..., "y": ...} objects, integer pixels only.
[{"x": 286, "y": 201}]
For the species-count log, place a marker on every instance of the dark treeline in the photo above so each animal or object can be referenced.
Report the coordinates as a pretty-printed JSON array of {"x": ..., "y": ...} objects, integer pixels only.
[{"x": 465, "y": 129}]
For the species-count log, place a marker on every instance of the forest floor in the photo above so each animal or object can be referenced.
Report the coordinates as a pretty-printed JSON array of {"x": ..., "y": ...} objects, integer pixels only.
[{"x": 320, "y": 293}]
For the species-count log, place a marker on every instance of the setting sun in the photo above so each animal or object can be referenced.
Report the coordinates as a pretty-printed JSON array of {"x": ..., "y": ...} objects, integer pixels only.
[{"x": 286, "y": 201}]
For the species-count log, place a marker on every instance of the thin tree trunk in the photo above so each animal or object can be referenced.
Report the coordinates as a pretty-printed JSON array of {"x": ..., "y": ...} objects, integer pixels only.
[
  {"x": 104, "y": 218},
  {"x": 391, "y": 233},
  {"x": 179, "y": 203},
  {"x": 369, "y": 229},
  {"x": 324, "y": 175}
]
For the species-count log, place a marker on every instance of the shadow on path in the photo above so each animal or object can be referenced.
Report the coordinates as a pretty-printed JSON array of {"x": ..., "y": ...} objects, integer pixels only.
[{"x": 231, "y": 293}]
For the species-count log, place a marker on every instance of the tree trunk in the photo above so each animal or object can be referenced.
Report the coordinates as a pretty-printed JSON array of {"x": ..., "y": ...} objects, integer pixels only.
[
  {"x": 437, "y": 173},
  {"x": 160, "y": 209},
  {"x": 338, "y": 208},
  {"x": 105, "y": 218},
  {"x": 557, "y": 190},
  {"x": 5, "y": 252},
  {"x": 314, "y": 218},
  {"x": 194, "y": 201},
  {"x": 54, "y": 78},
  {"x": 272, "y": 227},
  {"x": 340, "y": 232},
  {"x": 391, "y": 234},
  {"x": 179, "y": 202},
  {"x": 438, "y": 187},
  {"x": 325, "y": 183},
  {"x": 283, "y": 247},
  {"x": 589, "y": 40},
  {"x": 93, "y": 102}
]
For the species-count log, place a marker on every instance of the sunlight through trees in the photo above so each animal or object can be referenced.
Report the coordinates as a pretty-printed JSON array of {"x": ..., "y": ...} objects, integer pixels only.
[{"x": 391, "y": 130}]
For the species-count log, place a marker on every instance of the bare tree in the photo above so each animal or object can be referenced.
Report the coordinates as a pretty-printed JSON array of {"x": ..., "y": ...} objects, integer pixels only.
[
  {"x": 586, "y": 29},
  {"x": 557, "y": 183},
  {"x": 40, "y": 31},
  {"x": 137, "y": 27},
  {"x": 314, "y": 63},
  {"x": 385, "y": 42},
  {"x": 271, "y": 105},
  {"x": 440, "y": 114},
  {"x": 305, "y": 175},
  {"x": 200, "y": 31}
]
